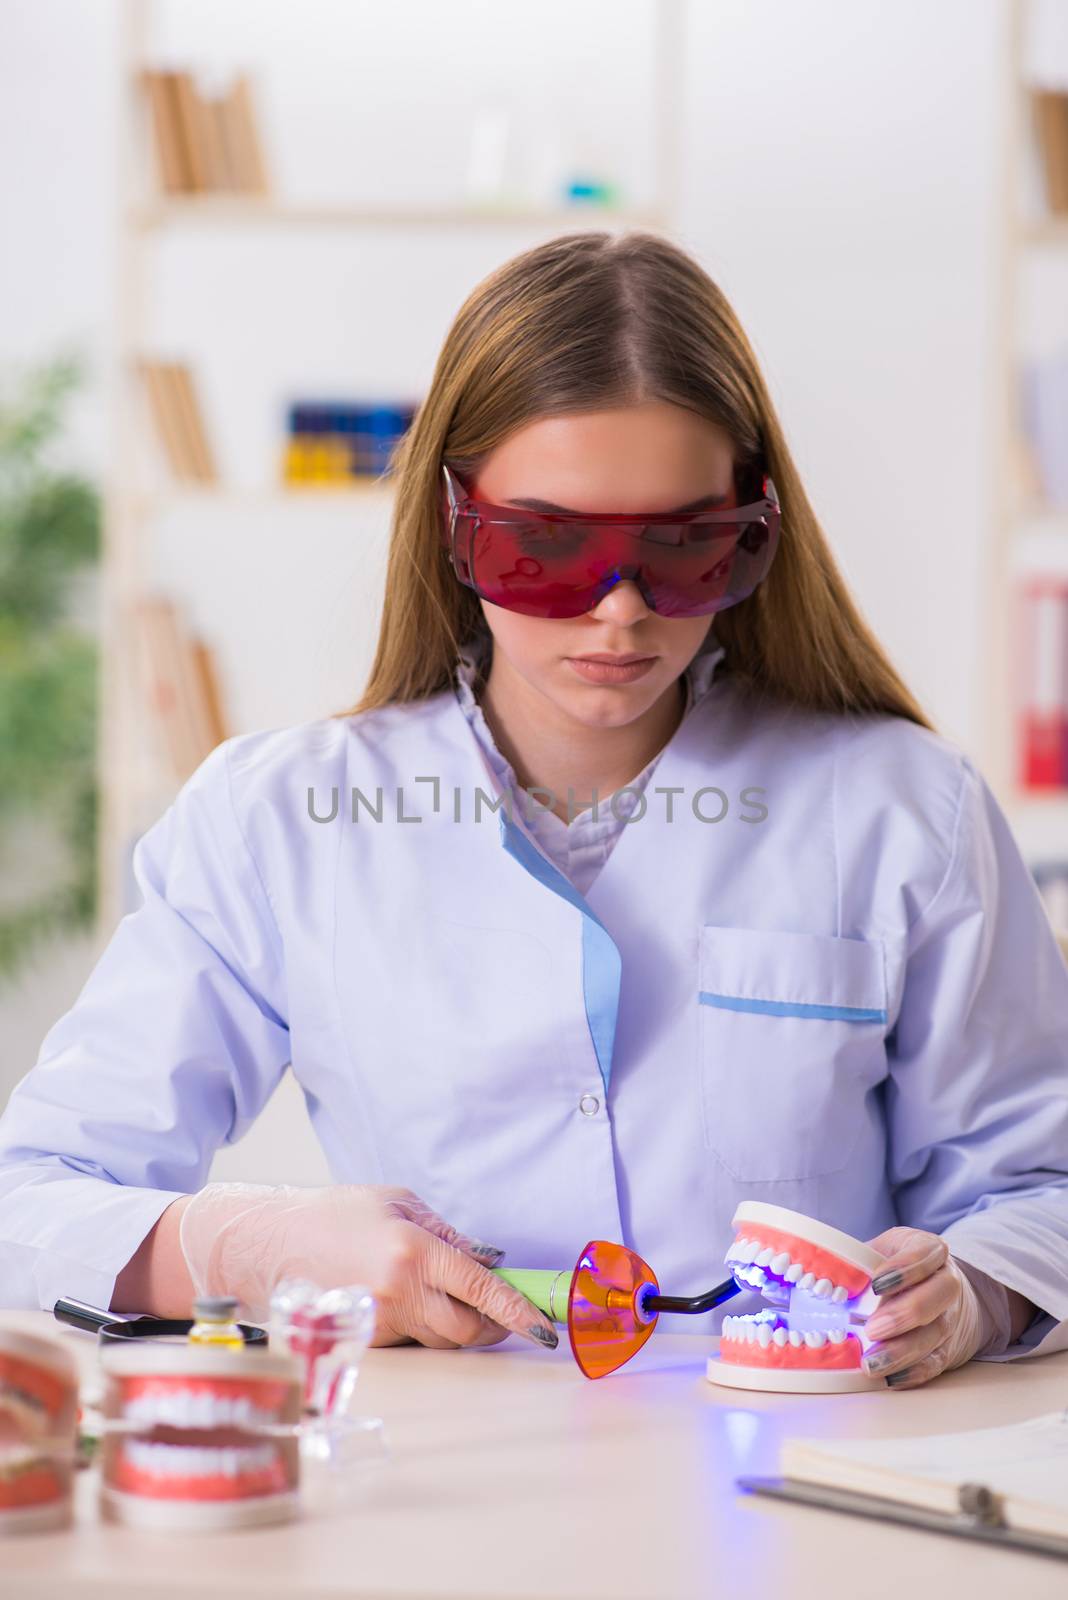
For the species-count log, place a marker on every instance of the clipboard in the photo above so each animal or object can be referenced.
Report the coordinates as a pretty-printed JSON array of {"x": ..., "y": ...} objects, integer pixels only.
[{"x": 979, "y": 1516}]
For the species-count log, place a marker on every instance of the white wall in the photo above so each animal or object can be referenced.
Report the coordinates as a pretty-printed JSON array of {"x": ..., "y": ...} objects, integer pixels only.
[{"x": 839, "y": 180}]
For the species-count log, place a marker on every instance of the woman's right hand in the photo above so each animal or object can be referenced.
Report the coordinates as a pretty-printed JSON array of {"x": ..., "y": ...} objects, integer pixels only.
[{"x": 431, "y": 1283}]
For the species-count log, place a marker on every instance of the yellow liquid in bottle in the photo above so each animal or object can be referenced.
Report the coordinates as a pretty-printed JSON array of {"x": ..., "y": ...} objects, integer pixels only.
[
  {"x": 214, "y": 1324},
  {"x": 215, "y": 1333}
]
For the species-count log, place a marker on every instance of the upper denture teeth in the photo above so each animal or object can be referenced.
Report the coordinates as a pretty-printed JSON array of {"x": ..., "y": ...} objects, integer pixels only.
[
  {"x": 793, "y": 1272},
  {"x": 839, "y": 1294},
  {"x": 807, "y": 1281},
  {"x": 780, "y": 1263},
  {"x": 764, "y": 1257},
  {"x": 822, "y": 1287},
  {"x": 815, "y": 1339}
]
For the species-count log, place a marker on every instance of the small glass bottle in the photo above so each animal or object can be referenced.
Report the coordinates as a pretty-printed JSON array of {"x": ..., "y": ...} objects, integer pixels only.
[{"x": 214, "y": 1322}]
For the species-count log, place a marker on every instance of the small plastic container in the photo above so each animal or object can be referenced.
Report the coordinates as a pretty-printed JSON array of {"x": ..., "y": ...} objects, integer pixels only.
[
  {"x": 215, "y": 1323},
  {"x": 38, "y": 1432},
  {"x": 199, "y": 1437}
]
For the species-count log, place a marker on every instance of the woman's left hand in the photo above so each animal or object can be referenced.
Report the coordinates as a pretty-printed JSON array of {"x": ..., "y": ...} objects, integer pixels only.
[{"x": 929, "y": 1318}]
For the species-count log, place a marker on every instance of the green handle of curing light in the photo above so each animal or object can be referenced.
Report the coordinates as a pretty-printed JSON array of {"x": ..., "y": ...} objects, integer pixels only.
[{"x": 537, "y": 1284}]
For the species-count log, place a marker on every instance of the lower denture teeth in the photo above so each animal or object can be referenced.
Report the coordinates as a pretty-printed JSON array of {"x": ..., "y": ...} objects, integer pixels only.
[
  {"x": 780, "y": 1337},
  {"x": 837, "y": 1335},
  {"x": 795, "y": 1338},
  {"x": 814, "y": 1339},
  {"x": 764, "y": 1335}
]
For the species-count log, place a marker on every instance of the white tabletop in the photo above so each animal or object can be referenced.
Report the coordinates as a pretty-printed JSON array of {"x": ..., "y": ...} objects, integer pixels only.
[{"x": 511, "y": 1474}]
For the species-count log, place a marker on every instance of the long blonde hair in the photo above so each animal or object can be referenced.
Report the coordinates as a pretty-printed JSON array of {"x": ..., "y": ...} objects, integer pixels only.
[{"x": 592, "y": 321}]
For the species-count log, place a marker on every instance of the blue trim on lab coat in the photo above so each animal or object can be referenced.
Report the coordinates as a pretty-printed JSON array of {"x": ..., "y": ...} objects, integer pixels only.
[
  {"x": 602, "y": 964},
  {"x": 791, "y": 1008}
]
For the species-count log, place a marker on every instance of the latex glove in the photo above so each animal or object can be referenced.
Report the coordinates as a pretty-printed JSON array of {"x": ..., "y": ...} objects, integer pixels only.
[
  {"x": 429, "y": 1280},
  {"x": 932, "y": 1317}
]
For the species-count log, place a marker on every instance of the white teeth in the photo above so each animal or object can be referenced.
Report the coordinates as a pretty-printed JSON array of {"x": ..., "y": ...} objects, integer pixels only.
[
  {"x": 795, "y": 1338},
  {"x": 750, "y": 1332},
  {"x": 815, "y": 1340},
  {"x": 735, "y": 1250},
  {"x": 750, "y": 1249},
  {"x": 189, "y": 1408},
  {"x": 839, "y": 1294},
  {"x": 822, "y": 1287},
  {"x": 764, "y": 1335},
  {"x": 837, "y": 1335},
  {"x": 807, "y": 1281},
  {"x": 780, "y": 1263},
  {"x": 197, "y": 1461},
  {"x": 764, "y": 1257},
  {"x": 793, "y": 1272},
  {"x": 780, "y": 1337}
]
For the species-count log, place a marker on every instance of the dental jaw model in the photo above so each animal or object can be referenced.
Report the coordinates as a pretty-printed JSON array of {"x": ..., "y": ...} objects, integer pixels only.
[
  {"x": 817, "y": 1282},
  {"x": 38, "y": 1421},
  {"x": 199, "y": 1437}
]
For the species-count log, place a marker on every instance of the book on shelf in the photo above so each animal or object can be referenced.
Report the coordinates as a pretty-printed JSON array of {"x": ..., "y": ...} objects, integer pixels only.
[
  {"x": 1007, "y": 1484},
  {"x": 1051, "y": 130},
  {"x": 205, "y": 144},
  {"x": 179, "y": 421},
  {"x": 181, "y": 684},
  {"x": 1042, "y": 704}
]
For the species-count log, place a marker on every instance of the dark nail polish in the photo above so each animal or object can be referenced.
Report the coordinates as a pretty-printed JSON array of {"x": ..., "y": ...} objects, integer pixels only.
[
  {"x": 489, "y": 1254},
  {"x": 545, "y": 1336},
  {"x": 899, "y": 1377},
  {"x": 885, "y": 1281},
  {"x": 878, "y": 1362}
]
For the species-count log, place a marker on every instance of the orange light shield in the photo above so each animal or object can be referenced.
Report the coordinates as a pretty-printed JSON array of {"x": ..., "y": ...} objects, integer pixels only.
[{"x": 605, "y": 1320}]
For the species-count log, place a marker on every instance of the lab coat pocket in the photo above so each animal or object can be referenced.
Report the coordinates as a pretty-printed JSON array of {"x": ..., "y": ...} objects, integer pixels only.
[{"x": 791, "y": 1046}]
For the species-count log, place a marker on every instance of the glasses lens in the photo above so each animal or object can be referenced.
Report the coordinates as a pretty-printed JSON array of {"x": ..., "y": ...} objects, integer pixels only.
[
  {"x": 603, "y": 1316},
  {"x": 562, "y": 569}
]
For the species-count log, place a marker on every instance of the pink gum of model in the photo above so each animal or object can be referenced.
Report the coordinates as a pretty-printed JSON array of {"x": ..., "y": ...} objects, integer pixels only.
[{"x": 817, "y": 1281}]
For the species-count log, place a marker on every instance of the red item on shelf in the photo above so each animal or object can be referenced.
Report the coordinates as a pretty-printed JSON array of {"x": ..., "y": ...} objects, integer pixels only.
[{"x": 1043, "y": 713}]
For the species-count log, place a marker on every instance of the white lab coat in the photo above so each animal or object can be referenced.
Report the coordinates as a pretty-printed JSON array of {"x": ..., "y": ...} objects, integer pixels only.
[{"x": 828, "y": 981}]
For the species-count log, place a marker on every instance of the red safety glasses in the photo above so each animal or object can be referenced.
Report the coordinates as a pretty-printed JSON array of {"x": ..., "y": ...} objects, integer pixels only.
[{"x": 561, "y": 564}]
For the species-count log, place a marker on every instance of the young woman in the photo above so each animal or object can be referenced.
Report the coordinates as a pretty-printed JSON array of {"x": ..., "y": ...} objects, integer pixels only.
[{"x": 635, "y": 885}]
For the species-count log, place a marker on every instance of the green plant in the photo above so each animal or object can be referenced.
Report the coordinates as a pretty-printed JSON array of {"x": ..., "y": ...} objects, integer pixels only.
[{"x": 49, "y": 539}]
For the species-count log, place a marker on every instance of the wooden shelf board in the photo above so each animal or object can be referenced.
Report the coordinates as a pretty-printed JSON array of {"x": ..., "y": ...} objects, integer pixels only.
[
  {"x": 325, "y": 493},
  {"x": 1044, "y": 231},
  {"x": 235, "y": 209}
]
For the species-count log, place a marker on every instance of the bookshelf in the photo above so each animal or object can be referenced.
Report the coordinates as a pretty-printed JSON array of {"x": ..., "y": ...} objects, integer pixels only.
[
  {"x": 1029, "y": 539},
  {"x": 135, "y": 780}
]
